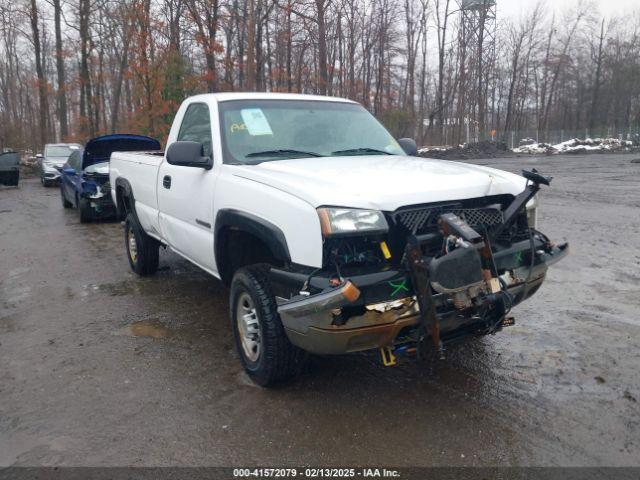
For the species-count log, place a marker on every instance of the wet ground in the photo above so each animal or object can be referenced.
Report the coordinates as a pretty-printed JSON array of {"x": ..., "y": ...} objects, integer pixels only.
[{"x": 100, "y": 367}]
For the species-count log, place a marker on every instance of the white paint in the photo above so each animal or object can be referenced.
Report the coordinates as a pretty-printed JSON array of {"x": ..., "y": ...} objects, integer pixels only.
[{"x": 286, "y": 193}]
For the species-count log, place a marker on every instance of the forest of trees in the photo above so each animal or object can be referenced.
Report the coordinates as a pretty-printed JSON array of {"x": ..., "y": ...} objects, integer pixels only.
[{"x": 73, "y": 69}]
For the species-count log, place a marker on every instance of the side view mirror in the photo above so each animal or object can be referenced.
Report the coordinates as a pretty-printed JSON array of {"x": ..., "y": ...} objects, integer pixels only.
[
  {"x": 39, "y": 156},
  {"x": 188, "y": 154},
  {"x": 409, "y": 146},
  {"x": 69, "y": 171}
]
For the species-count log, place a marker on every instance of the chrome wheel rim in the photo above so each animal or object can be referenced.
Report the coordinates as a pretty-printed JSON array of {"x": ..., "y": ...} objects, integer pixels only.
[
  {"x": 248, "y": 327},
  {"x": 133, "y": 246}
]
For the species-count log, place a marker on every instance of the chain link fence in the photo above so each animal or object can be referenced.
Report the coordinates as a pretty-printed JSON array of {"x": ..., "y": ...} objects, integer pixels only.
[{"x": 449, "y": 136}]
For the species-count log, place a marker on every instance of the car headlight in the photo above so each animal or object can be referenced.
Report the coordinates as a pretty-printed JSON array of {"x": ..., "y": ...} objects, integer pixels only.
[
  {"x": 532, "y": 212},
  {"x": 345, "y": 221}
]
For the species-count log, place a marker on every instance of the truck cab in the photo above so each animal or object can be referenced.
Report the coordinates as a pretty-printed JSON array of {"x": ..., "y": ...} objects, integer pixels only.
[{"x": 331, "y": 235}]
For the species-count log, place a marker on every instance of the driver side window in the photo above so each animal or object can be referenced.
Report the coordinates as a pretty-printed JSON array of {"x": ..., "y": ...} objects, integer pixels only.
[
  {"x": 196, "y": 126},
  {"x": 74, "y": 160}
]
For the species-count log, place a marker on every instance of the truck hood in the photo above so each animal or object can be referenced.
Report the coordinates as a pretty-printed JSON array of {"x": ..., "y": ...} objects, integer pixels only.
[{"x": 380, "y": 182}]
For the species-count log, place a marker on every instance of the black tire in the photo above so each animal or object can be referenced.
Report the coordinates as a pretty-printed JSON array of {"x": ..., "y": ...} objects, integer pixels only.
[
  {"x": 65, "y": 203},
  {"x": 84, "y": 210},
  {"x": 278, "y": 359},
  {"x": 45, "y": 183},
  {"x": 144, "y": 261},
  {"x": 12, "y": 180}
]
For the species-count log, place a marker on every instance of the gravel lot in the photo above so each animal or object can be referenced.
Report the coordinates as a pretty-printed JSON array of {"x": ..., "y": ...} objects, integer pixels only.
[{"x": 101, "y": 368}]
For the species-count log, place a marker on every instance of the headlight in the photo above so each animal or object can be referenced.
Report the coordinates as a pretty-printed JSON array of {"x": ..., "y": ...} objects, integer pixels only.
[
  {"x": 532, "y": 212},
  {"x": 343, "y": 221}
]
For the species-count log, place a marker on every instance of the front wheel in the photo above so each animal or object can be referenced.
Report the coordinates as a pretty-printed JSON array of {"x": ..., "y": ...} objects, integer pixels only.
[
  {"x": 266, "y": 353},
  {"x": 143, "y": 251},
  {"x": 65, "y": 203},
  {"x": 14, "y": 179},
  {"x": 84, "y": 210}
]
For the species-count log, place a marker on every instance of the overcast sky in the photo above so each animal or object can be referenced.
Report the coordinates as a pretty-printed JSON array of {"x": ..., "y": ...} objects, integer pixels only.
[{"x": 513, "y": 8}]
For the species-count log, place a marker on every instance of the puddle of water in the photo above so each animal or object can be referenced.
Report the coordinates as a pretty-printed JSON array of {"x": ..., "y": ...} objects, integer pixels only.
[
  {"x": 13, "y": 445},
  {"x": 16, "y": 272},
  {"x": 7, "y": 325},
  {"x": 15, "y": 293},
  {"x": 126, "y": 287},
  {"x": 146, "y": 328}
]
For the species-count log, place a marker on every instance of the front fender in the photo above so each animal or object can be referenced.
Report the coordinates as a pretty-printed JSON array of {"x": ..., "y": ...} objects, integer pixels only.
[
  {"x": 292, "y": 221},
  {"x": 266, "y": 231}
]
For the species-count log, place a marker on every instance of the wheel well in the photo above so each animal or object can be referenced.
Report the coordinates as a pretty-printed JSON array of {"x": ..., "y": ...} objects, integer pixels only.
[
  {"x": 237, "y": 248},
  {"x": 124, "y": 202},
  {"x": 242, "y": 239}
]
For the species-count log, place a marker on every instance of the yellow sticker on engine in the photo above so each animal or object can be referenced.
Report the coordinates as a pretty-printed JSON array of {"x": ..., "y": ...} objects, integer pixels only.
[{"x": 385, "y": 250}]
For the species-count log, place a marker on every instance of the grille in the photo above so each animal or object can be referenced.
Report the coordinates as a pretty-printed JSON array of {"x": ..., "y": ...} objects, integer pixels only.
[
  {"x": 419, "y": 219},
  {"x": 414, "y": 220}
]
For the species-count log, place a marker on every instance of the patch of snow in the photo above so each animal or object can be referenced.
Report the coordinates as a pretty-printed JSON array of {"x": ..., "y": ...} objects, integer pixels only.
[
  {"x": 575, "y": 146},
  {"x": 433, "y": 149},
  {"x": 535, "y": 149}
]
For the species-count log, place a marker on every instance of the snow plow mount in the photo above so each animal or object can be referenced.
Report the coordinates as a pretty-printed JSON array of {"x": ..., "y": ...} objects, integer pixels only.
[
  {"x": 468, "y": 268},
  {"x": 520, "y": 202}
]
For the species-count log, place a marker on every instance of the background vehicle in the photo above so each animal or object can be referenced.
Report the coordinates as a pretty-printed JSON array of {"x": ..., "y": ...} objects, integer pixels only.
[
  {"x": 54, "y": 157},
  {"x": 9, "y": 168},
  {"x": 85, "y": 176},
  {"x": 331, "y": 238}
]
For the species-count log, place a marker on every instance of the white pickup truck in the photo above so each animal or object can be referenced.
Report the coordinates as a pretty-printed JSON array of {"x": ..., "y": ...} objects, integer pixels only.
[{"x": 333, "y": 236}]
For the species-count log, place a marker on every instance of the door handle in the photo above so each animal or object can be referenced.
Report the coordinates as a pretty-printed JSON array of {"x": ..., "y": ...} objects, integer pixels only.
[{"x": 166, "y": 181}]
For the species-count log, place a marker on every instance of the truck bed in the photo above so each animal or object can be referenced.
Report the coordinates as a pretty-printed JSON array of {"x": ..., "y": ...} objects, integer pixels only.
[{"x": 138, "y": 168}]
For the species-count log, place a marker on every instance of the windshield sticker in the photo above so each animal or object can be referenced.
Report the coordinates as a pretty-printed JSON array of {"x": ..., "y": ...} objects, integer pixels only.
[
  {"x": 238, "y": 127},
  {"x": 256, "y": 122}
]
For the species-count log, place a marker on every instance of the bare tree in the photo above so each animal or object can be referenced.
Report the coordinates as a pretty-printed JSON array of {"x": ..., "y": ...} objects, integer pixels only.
[
  {"x": 42, "y": 82},
  {"x": 110, "y": 65}
]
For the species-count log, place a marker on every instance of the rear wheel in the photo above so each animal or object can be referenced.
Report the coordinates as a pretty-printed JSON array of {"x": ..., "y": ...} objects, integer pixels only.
[
  {"x": 65, "y": 203},
  {"x": 12, "y": 179},
  {"x": 143, "y": 251},
  {"x": 266, "y": 353},
  {"x": 84, "y": 210}
]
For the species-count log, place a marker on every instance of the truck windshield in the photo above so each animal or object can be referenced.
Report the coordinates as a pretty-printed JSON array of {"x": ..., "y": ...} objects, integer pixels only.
[{"x": 255, "y": 131}]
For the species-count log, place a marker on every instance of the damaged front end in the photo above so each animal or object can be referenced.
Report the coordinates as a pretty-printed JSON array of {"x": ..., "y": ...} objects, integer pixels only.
[
  {"x": 439, "y": 273},
  {"x": 97, "y": 190}
]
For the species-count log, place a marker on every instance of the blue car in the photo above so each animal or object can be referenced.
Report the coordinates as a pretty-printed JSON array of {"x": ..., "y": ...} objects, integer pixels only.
[{"x": 84, "y": 183}]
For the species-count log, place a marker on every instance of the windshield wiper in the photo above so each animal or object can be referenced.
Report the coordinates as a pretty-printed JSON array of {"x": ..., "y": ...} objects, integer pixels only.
[
  {"x": 363, "y": 150},
  {"x": 282, "y": 152}
]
